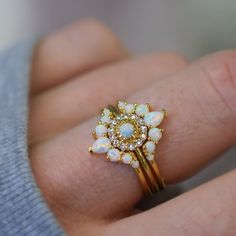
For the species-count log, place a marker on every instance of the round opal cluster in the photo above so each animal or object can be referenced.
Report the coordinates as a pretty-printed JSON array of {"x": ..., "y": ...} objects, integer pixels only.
[
  {"x": 127, "y": 132},
  {"x": 119, "y": 135}
]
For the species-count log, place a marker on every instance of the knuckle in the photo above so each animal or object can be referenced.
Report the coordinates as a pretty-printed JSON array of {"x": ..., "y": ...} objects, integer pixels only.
[
  {"x": 168, "y": 63},
  {"x": 169, "y": 60},
  {"x": 220, "y": 71},
  {"x": 90, "y": 28},
  {"x": 101, "y": 32},
  {"x": 175, "y": 58}
]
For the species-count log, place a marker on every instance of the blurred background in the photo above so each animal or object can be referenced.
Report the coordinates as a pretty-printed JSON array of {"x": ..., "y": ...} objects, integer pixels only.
[{"x": 192, "y": 28}]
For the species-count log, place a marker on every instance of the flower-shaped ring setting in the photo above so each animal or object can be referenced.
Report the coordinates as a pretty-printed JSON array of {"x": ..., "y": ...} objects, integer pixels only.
[{"x": 128, "y": 133}]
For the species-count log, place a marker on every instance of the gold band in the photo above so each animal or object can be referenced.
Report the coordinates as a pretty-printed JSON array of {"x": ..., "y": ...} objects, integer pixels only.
[
  {"x": 144, "y": 163},
  {"x": 143, "y": 180},
  {"x": 128, "y": 134},
  {"x": 148, "y": 174}
]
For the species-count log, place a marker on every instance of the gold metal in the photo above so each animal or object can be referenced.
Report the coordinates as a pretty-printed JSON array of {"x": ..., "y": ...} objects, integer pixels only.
[
  {"x": 90, "y": 150},
  {"x": 147, "y": 170},
  {"x": 165, "y": 112},
  {"x": 153, "y": 182},
  {"x": 159, "y": 179},
  {"x": 142, "y": 160},
  {"x": 143, "y": 181},
  {"x": 113, "y": 110}
]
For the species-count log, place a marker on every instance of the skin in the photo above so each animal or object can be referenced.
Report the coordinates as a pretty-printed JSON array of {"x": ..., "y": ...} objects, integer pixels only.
[{"x": 81, "y": 69}]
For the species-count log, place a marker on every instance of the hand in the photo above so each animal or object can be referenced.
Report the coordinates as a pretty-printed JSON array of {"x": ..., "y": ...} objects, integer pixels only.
[{"x": 80, "y": 70}]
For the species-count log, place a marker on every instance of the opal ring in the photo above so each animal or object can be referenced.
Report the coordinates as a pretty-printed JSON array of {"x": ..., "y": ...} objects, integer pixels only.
[{"x": 128, "y": 133}]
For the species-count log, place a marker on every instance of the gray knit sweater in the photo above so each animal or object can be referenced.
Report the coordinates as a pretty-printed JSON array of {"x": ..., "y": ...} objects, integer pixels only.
[{"x": 23, "y": 211}]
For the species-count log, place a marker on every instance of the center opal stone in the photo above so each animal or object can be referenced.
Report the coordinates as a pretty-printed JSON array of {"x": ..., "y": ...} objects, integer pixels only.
[{"x": 126, "y": 130}]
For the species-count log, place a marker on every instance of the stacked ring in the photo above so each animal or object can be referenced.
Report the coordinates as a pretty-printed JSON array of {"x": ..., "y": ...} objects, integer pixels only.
[{"x": 128, "y": 134}]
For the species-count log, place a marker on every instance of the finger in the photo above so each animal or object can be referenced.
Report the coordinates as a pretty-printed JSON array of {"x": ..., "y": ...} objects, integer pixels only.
[
  {"x": 64, "y": 107},
  {"x": 207, "y": 210},
  {"x": 73, "y": 50},
  {"x": 201, "y": 102}
]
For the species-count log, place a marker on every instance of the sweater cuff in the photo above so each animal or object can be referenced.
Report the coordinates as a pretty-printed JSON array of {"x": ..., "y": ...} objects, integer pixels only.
[{"x": 23, "y": 210}]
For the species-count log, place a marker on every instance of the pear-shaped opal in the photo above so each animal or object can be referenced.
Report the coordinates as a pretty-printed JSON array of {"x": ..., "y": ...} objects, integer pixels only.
[
  {"x": 153, "y": 118},
  {"x": 101, "y": 145}
]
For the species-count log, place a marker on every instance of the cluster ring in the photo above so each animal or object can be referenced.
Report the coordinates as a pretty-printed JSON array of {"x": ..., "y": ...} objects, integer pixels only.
[{"x": 128, "y": 133}]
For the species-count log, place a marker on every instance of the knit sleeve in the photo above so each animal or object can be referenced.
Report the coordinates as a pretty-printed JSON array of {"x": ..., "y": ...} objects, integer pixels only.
[{"x": 23, "y": 210}]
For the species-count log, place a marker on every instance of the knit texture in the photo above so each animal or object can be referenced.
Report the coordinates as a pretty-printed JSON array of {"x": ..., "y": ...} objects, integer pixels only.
[{"x": 23, "y": 211}]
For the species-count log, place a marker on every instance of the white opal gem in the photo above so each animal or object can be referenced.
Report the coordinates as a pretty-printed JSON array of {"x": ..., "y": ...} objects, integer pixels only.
[
  {"x": 150, "y": 156},
  {"x": 113, "y": 155},
  {"x": 101, "y": 145},
  {"x": 149, "y": 146},
  {"x": 142, "y": 109},
  {"x": 129, "y": 108},
  {"x": 135, "y": 164},
  {"x": 155, "y": 134},
  {"x": 100, "y": 130},
  {"x": 153, "y": 118},
  {"x": 106, "y": 112},
  {"x": 121, "y": 105},
  {"x": 105, "y": 119},
  {"x": 126, "y": 130},
  {"x": 126, "y": 158}
]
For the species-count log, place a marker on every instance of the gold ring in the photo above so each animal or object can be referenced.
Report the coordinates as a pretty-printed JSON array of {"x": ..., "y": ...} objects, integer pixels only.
[{"x": 128, "y": 133}]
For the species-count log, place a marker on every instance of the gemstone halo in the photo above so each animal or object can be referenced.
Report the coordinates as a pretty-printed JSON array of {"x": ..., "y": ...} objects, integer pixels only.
[{"x": 119, "y": 135}]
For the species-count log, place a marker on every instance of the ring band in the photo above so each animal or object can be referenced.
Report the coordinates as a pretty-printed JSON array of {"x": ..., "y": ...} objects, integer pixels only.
[{"x": 128, "y": 133}]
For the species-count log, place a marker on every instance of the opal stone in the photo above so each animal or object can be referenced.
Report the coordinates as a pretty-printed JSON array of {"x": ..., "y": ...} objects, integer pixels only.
[
  {"x": 155, "y": 134},
  {"x": 129, "y": 108},
  {"x": 150, "y": 156},
  {"x": 100, "y": 130},
  {"x": 121, "y": 105},
  {"x": 106, "y": 112},
  {"x": 142, "y": 109},
  {"x": 101, "y": 145},
  {"x": 153, "y": 118},
  {"x": 135, "y": 164},
  {"x": 126, "y": 130},
  {"x": 126, "y": 158},
  {"x": 150, "y": 146},
  {"x": 105, "y": 119},
  {"x": 113, "y": 155}
]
